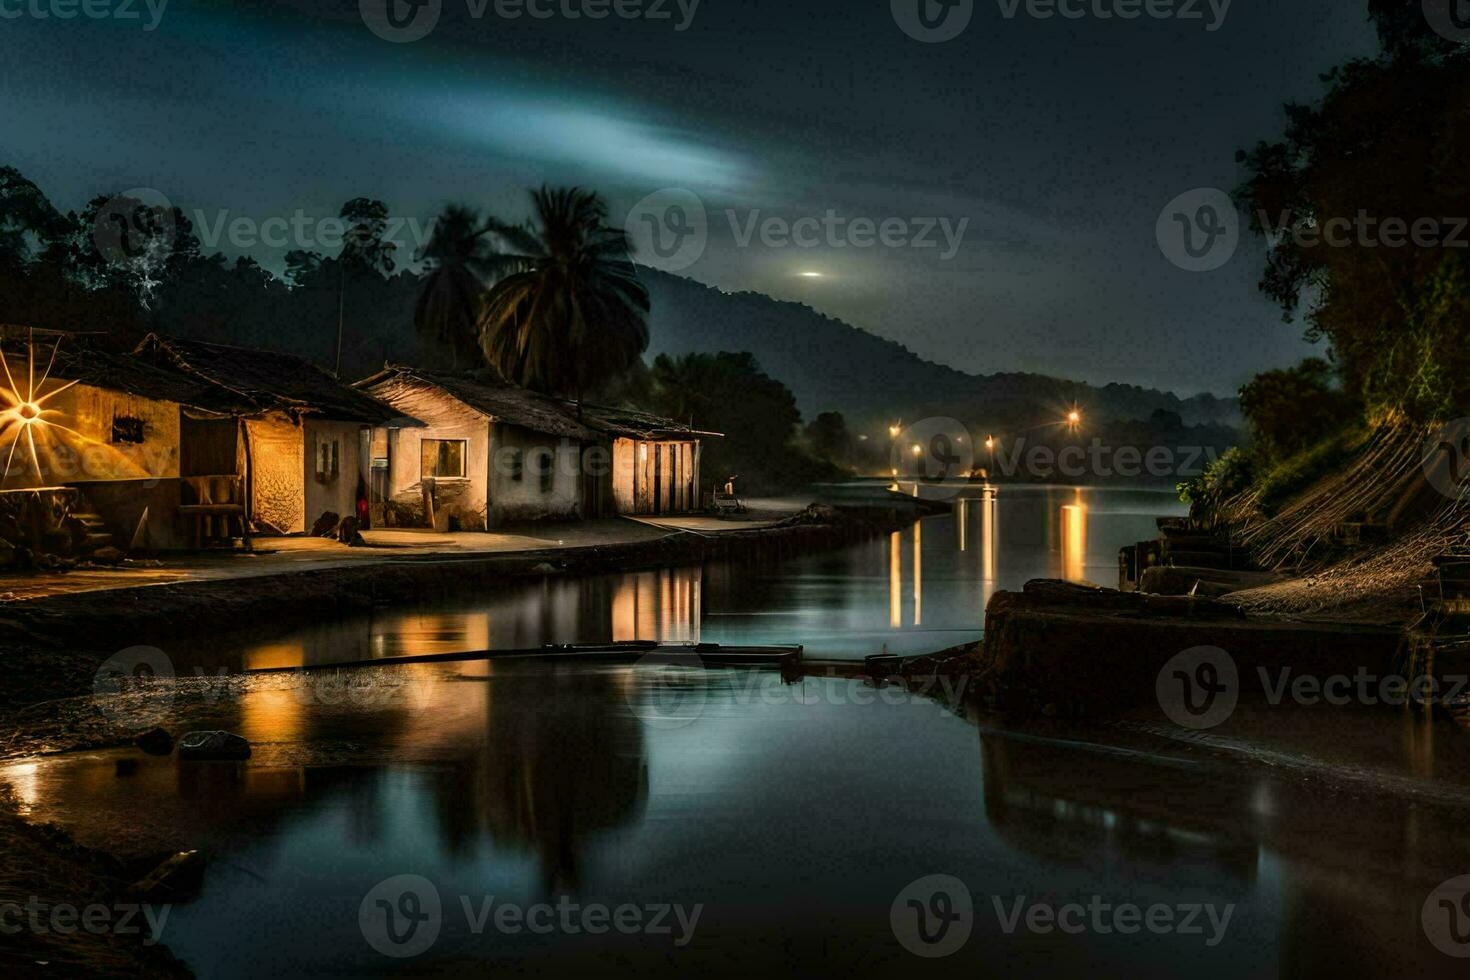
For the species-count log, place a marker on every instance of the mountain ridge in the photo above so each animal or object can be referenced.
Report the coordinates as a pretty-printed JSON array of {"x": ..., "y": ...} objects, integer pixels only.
[{"x": 831, "y": 365}]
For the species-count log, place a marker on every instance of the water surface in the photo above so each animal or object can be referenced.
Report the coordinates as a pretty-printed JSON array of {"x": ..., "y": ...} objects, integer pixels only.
[{"x": 793, "y": 817}]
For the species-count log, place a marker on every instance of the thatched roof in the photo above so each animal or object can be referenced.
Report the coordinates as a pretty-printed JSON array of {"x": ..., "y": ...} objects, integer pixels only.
[
  {"x": 122, "y": 372},
  {"x": 637, "y": 425},
  {"x": 491, "y": 397},
  {"x": 265, "y": 380}
]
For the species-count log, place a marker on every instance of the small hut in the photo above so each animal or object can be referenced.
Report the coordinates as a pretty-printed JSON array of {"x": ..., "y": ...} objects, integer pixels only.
[
  {"x": 489, "y": 453},
  {"x": 294, "y": 444}
]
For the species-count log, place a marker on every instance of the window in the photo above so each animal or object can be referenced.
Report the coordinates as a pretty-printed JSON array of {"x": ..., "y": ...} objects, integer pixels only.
[
  {"x": 125, "y": 428},
  {"x": 443, "y": 459},
  {"x": 517, "y": 465},
  {"x": 548, "y": 471},
  {"x": 328, "y": 460}
]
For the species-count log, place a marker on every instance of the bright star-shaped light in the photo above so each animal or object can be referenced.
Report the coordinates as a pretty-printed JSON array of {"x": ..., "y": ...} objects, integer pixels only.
[{"x": 24, "y": 415}]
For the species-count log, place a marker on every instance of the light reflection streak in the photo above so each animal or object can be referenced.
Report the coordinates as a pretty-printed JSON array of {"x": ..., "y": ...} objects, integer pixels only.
[{"x": 1074, "y": 541}]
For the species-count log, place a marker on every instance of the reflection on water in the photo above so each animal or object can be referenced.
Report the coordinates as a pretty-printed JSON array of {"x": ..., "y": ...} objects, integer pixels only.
[
  {"x": 1074, "y": 541},
  {"x": 794, "y": 821},
  {"x": 918, "y": 590}
]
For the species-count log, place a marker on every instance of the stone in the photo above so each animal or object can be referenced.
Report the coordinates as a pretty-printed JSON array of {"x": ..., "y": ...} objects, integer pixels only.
[
  {"x": 108, "y": 555},
  {"x": 176, "y": 879},
  {"x": 213, "y": 747},
  {"x": 349, "y": 534},
  {"x": 326, "y": 525},
  {"x": 155, "y": 742}
]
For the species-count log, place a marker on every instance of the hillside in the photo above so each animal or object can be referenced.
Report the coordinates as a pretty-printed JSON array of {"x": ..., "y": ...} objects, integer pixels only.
[{"x": 831, "y": 365}]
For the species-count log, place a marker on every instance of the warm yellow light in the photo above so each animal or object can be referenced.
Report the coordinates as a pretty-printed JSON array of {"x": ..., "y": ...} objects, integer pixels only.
[
  {"x": 990, "y": 442},
  {"x": 893, "y": 431},
  {"x": 1074, "y": 416},
  {"x": 810, "y": 275},
  {"x": 918, "y": 450}
]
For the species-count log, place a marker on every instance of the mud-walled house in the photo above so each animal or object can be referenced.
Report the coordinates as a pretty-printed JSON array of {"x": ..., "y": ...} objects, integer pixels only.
[
  {"x": 655, "y": 461},
  {"x": 293, "y": 445},
  {"x": 489, "y": 453},
  {"x": 91, "y": 446},
  {"x": 492, "y": 453}
]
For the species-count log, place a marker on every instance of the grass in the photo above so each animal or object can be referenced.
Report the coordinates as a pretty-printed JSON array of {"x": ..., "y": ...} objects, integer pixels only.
[{"x": 1291, "y": 476}]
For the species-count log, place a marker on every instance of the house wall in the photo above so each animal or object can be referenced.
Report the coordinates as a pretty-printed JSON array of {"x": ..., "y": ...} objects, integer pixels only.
[
  {"x": 90, "y": 454},
  {"x": 211, "y": 447},
  {"x": 625, "y": 455},
  {"x": 651, "y": 477},
  {"x": 336, "y": 493},
  {"x": 277, "y": 484},
  {"x": 122, "y": 505},
  {"x": 517, "y": 500},
  {"x": 462, "y": 503}
]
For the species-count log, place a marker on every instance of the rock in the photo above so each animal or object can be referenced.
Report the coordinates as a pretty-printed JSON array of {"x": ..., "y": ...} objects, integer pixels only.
[
  {"x": 177, "y": 879},
  {"x": 213, "y": 747},
  {"x": 348, "y": 533},
  {"x": 108, "y": 555},
  {"x": 326, "y": 525},
  {"x": 155, "y": 742}
]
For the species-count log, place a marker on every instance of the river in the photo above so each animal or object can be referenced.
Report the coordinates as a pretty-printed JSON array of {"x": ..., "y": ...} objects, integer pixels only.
[{"x": 545, "y": 820}]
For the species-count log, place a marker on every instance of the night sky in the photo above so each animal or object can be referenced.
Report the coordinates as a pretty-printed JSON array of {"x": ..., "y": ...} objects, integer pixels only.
[{"x": 1059, "y": 140}]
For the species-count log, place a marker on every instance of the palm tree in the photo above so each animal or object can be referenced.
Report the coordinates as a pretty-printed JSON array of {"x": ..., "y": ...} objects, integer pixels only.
[
  {"x": 459, "y": 254},
  {"x": 570, "y": 312}
]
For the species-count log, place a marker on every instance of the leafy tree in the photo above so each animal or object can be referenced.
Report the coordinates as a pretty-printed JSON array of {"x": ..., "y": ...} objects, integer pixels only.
[
  {"x": 569, "y": 312},
  {"x": 1292, "y": 409},
  {"x": 29, "y": 225},
  {"x": 458, "y": 258},
  {"x": 1339, "y": 199},
  {"x": 829, "y": 439},
  {"x": 729, "y": 393}
]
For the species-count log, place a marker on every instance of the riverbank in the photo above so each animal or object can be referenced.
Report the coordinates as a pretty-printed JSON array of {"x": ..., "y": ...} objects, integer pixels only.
[
  {"x": 51, "y": 646},
  {"x": 1077, "y": 650}
]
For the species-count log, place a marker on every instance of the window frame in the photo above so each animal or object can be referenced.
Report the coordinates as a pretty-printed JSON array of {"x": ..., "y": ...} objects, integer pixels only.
[{"x": 464, "y": 461}]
